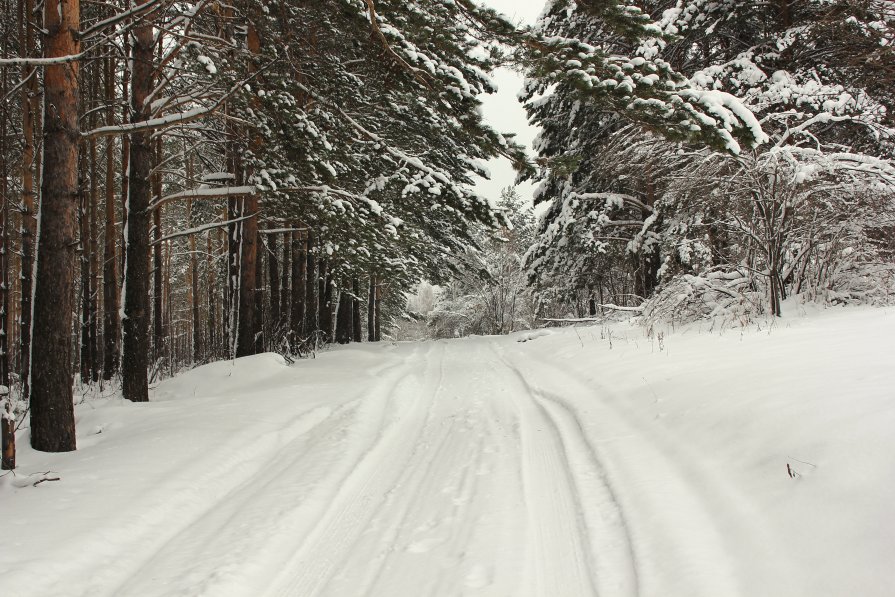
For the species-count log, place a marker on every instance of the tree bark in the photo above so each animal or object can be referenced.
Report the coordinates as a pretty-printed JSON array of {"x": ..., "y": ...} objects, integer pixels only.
[
  {"x": 285, "y": 295},
  {"x": 273, "y": 275},
  {"x": 325, "y": 294},
  {"x": 357, "y": 324},
  {"x": 297, "y": 307},
  {"x": 29, "y": 224},
  {"x": 52, "y": 409},
  {"x": 111, "y": 316},
  {"x": 344, "y": 322},
  {"x": 312, "y": 323},
  {"x": 248, "y": 253},
  {"x": 378, "y": 312},
  {"x": 158, "y": 314},
  {"x": 136, "y": 345},
  {"x": 258, "y": 315},
  {"x": 371, "y": 310}
]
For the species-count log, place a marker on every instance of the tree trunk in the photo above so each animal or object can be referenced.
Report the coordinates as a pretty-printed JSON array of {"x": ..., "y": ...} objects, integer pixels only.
[
  {"x": 4, "y": 240},
  {"x": 158, "y": 314},
  {"x": 136, "y": 345},
  {"x": 52, "y": 410},
  {"x": 371, "y": 310},
  {"x": 285, "y": 295},
  {"x": 297, "y": 307},
  {"x": 273, "y": 275},
  {"x": 29, "y": 224},
  {"x": 378, "y": 312},
  {"x": 259, "y": 295},
  {"x": 212, "y": 331},
  {"x": 84, "y": 262},
  {"x": 312, "y": 323},
  {"x": 325, "y": 293},
  {"x": 245, "y": 338},
  {"x": 111, "y": 316},
  {"x": 357, "y": 324},
  {"x": 344, "y": 323}
]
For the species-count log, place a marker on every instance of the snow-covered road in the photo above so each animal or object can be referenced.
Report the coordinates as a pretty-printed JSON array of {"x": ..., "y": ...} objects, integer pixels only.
[{"x": 438, "y": 469}]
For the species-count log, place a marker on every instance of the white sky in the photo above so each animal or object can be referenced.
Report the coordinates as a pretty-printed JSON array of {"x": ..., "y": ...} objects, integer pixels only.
[{"x": 503, "y": 111}]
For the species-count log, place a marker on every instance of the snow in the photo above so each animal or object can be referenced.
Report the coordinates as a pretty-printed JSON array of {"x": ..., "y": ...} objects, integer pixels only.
[{"x": 561, "y": 462}]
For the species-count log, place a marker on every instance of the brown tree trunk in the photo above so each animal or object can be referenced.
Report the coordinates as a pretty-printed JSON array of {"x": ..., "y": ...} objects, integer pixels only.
[
  {"x": 52, "y": 410},
  {"x": 258, "y": 316},
  {"x": 4, "y": 236},
  {"x": 196, "y": 327},
  {"x": 136, "y": 345},
  {"x": 325, "y": 298},
  {"x": 158, "y": 314},
  {"x": 344, "y": 323},
  {"x": 371, "y": 310},
  {"x": 312, "y": 323},
  {"x": 212, "y": 332},
  {"x": 248, "y": 253},
  {"x": 111, "y": 316},
  {"x": 286, "y": 265},
  {"x": 357, "y": 323},
  {"x": 29, "y": 224},
  {"x": 7, "y": 419},
  {"x": 377, "y": 317},
  {"x": 84, "y": 263},
  {"x": 273, "y": 275},
  {"x": 297, "y": 307}
]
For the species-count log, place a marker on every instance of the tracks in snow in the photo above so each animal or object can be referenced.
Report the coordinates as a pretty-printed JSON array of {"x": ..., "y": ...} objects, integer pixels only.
[{"x": 470, "y": 470}]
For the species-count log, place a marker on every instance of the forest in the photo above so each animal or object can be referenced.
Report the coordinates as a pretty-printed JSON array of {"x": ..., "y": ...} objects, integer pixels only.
[{"x": 188, "y": 182}]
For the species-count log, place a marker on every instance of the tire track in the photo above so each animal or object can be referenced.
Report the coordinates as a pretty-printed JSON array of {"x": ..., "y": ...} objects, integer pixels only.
[
  {"x": 357, "y": 498},
  {"x": 295, "y": 475}
]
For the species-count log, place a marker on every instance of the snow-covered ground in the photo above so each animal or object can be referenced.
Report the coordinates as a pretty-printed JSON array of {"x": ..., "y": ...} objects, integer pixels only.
[{"x": 561, "y": 463}]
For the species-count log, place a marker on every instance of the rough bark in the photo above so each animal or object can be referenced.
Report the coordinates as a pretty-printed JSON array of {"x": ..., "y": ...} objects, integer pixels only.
[
  {"x": 259, "y": 295},
  {"x": 357, "y": 323},
  {"x": 377, "y": 316},
  {"x": 344, "y": 322},
  {"x": 371, "y": 310},
  {"x": 52, "y": 409},
  {"x": 285, "y": 277},
  {"x": 136, "y": 345},
  {"x": 248, "y": 261},
  {"x": 111, "y": 315},
  {"x": 297, "y": 306},
  {"x": 158, "y": 314},
  {"x": 29, "y": 224},
  {"x": 325, "y": 298},
  {"x": 273, "y": 276},
  {"x": 312, "y": 323}
]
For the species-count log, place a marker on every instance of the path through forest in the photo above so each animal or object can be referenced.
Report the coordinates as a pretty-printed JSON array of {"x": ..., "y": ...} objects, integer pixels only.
[{"x": 486, "y": 466}]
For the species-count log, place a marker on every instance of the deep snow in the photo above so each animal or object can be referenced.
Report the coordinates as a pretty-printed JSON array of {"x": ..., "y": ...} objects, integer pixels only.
[{"x": 560, "y": 463}]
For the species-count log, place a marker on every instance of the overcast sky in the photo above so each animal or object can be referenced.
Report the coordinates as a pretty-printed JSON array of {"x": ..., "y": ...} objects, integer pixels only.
[{"x": 502, "y": 109}]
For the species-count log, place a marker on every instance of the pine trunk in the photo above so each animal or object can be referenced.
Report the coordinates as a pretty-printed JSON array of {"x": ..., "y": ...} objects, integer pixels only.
[
  {"x": 273, "y": 275},
  {"x": 248, "y": 261},
  {"x": 344, "y": 323},
  {"x": 377, "y": 316},
  {"x": 285, "y": 294},
  {"x": 111, "y": 316},
  {"x": 297, "y": 307},
  {"x": 325, "y": 297},
  {"x": 29, "y": 224},
  {"x": 371, "y": 310},
  {"x": 312, "y": 323},
  {"x": 357, "y": 323},
  {"x": 52, "y": 410},
  {"x": 136, "y": 345}
]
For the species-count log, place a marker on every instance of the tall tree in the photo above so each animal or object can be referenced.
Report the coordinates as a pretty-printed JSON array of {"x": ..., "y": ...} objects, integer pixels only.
[
  {"x": 52, "y": 409},
  {"x": 135, "y": 327}
]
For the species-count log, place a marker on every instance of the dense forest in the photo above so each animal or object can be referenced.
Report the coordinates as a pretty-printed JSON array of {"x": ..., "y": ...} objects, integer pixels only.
[{"x": 185, "y": 182}]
